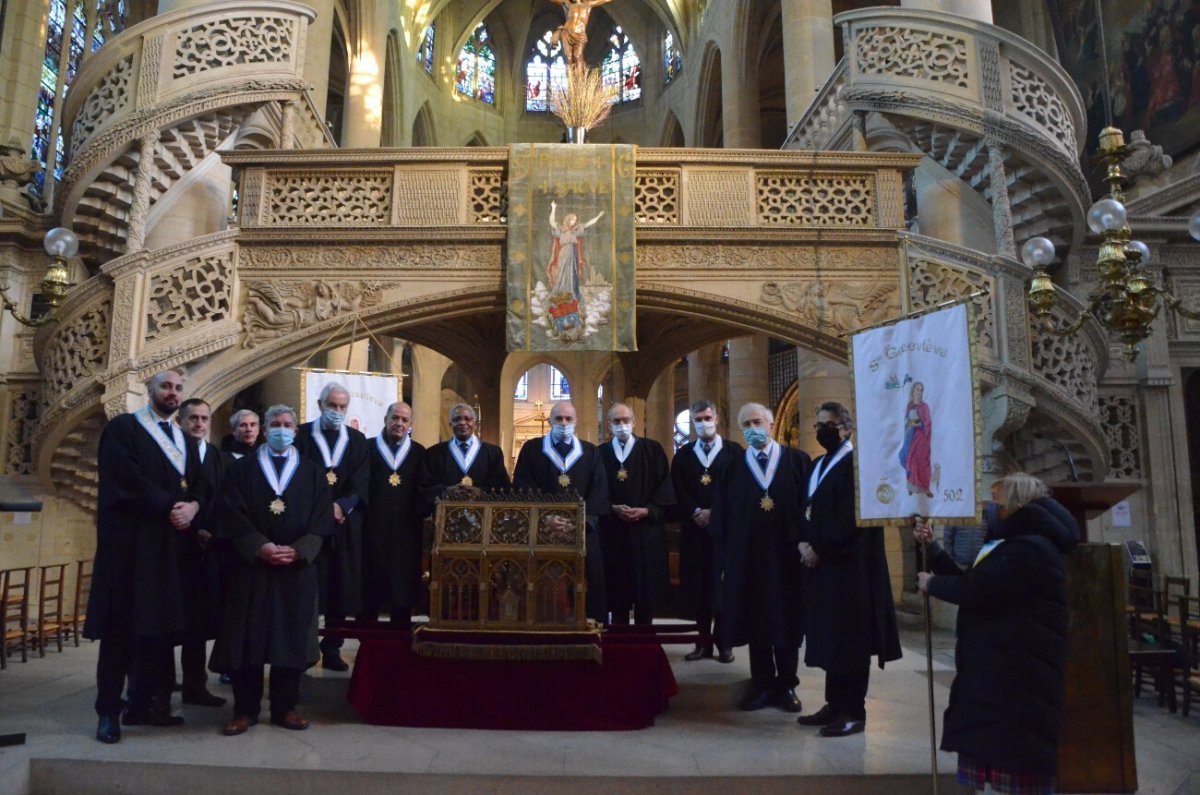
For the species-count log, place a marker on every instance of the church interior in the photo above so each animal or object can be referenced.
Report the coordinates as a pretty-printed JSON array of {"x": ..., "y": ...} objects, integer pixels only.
[{"x": 260, "y": 186}]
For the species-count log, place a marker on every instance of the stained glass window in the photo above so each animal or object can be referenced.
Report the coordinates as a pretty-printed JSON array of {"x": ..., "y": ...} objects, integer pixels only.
[
  {"x": 425, "y": 51},
  {"x": 560, "y": 388},
  {"x": 522, "y": 390},
  {"x": 621, "y": 68},
  {"x": 477, "y": 67},
  {"x": 672, "y": 60},
  {"x": 545, "y": 72},
  {"x": 683, "y": 427}
]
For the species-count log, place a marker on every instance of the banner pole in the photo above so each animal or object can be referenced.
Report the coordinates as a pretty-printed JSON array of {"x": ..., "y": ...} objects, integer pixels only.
[{"x": 929, "y": 673}]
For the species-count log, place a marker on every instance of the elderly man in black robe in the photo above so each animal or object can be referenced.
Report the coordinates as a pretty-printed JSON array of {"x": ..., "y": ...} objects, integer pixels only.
[
  {"x": 633, "y": 537},
  {"x": 243, "y": 436},
  {"x": 148, "y": 475},
  {"x": 341, "y": 453},
  {"x": 276, "y": 513},
  {"x": 199, "y": 569},
  {"x": 755, "y": 525},
  {"x": 696, "y": 470},
  {"x": 562, "y": 463},
  {"x": 392, "y": 530},
  {"x": 465, "y": 463},
  {"x": 848, "y": 611}
]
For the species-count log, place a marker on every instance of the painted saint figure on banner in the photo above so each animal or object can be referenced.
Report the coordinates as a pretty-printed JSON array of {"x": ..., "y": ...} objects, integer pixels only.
[
  {"x": 565, "y": 271},
  {"x": 917, "y": 450}
]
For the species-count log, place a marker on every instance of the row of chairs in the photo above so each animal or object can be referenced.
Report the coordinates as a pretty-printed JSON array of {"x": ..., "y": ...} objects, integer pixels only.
[
  {"x": 1167, "y": 617},
  {"x": 54, "y": 620}
]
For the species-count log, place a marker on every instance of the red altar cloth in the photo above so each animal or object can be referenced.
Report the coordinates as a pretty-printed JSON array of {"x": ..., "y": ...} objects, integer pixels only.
[{"x": 392, "y": 686}]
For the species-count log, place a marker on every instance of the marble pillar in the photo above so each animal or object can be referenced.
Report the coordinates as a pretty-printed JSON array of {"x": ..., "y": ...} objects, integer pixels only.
[
  {"x": 428, "y": 369},
  {"x": 747, "y": 373},
  {"x": 808, "y": 38}
]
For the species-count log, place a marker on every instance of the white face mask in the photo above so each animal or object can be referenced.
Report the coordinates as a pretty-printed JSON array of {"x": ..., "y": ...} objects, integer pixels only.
[
  {"x": 562, "y": 433},
  {"x": 622, "y": 431},
  {"x": 705, "y": 430}
]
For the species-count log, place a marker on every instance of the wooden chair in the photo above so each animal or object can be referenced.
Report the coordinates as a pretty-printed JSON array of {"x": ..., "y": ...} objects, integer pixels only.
[
  {"x": 1147, "y": 631},
  {"x": 50, "y": 606},
  {"x": 1172, "y": 589},
  {"x": 1188, "y": 615},
  {"x": 73, "y": 621},
  {"x": 14, "y": 590}
]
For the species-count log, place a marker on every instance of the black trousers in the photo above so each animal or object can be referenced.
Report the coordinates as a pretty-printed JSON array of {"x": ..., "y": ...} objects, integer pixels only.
[
  {"x": 774, "y": 668},
  {"x": 193, "y": 659},
  {"x": 147, "y": 662},
  {"x": 248, "y": 690},
  {"x": 642, "y": 614},
  {"x": 846, "y": 690},
  {"x": 331, "y": 589}
]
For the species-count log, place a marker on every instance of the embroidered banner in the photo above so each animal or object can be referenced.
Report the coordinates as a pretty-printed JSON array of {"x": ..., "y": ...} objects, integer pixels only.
[
  {"x": 370, "y": 396},
  {"x": 571, "y": 248},
  {"x": 917, "y": 415}
]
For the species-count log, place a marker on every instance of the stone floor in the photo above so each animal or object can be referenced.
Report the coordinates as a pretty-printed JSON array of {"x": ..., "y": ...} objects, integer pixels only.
[{"x": 700, "y": 740}]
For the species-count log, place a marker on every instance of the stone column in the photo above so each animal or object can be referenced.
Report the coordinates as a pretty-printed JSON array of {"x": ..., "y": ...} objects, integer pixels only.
[
  {"x": 135, "y": 234},
  {"x": 808, "y": 37},
  {"x": 316, "y": 52},
  {"x": 287, "y": 126},
  {"x": 1001, "y": 206},
  {"x": 739, "y": 103},
  {"x": 428, "y": 369},
  {"x": 363, "y": 125},
  {"x": 704, "y": 381},
  {"x": 819, "y": 380},
  {"x": 355, "y": 358},
  {"x": 24, "y": 29},
  {"x": 980, "y": 10},
  {"x": 747, "y": 373},
  {"x": 658, "y": 422}
]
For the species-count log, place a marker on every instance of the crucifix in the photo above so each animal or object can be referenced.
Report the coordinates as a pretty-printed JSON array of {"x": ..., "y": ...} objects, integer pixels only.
[{"x": 573, "y": 33}]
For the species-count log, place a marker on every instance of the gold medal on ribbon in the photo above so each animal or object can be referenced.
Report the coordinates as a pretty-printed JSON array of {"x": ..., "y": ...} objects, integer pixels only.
[
  {"x": 466, "y": 481},
  {"x": 766, "y": 503},
  {"x": 183, "y": 483},
  {"x": 564, "y": 480},
  {"x": 394, "y": 480},
  {"x": 277, "y": 507},
  {"x": 705, "y": 479},
  {"x": 622, "y": 474},
  {"x": 331, "y": 477}
]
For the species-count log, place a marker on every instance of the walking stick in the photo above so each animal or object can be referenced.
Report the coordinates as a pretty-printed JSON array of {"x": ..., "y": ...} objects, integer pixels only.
[{"x": 929, "y": 671}]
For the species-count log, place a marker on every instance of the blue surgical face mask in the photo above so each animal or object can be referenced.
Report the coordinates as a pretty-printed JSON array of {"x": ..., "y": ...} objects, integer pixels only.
[
  {"x": 755, "y": 437},
  {"x": 622, "y": 431},
  {"x": 705, "y": 430},
  {"x": 279, "y": 439},
  {"x": 562, "y": 433},
  {"x": 333, "y": 419}
]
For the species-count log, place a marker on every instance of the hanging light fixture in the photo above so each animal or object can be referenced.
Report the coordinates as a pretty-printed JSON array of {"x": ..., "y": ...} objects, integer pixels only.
[{"x": 61, "y": 244}]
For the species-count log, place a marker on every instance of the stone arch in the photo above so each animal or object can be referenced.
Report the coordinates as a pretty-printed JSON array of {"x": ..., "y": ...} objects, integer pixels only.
[
  {"x": 423, "y": 131},
  {"x": 709, "y": 124},
  {"x": 768, "y": 59},
  {"x": 393, "y": 109},
  {"x": 672, "y": 132},
  {"x": 477, "y": 139}
]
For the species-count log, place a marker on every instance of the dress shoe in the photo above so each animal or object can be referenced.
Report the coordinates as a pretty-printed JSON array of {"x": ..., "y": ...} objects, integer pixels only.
[
  {"x": 822, "y": 717},
  {"x": 292, "y": 721},
  {"x": 108, "y": 730},
  {"x": 239, "y": 725},
  {"x": 842, "y": 726},
  {"x": 725, "y": 656},
  {"x": 151, "y": 716},
  {"x": 698, "y": 653},
  {"x": 758, "y": 699},
  {"x": 202, "y": 698},
  {"x": 332, "y": 661},
  {"x": 788, "y": 701}
]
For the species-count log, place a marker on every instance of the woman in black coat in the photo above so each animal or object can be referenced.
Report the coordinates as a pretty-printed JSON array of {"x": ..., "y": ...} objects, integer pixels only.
[{"x": 1006, "y": 701}]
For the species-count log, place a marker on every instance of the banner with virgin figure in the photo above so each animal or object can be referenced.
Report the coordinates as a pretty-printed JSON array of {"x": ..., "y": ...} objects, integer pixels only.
[
  {"x": 918, "y": 422},
  {"x": 570, "y": 268}
]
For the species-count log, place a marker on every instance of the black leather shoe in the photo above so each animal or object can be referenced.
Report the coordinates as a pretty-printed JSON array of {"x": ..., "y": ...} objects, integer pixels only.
[
  {"x": 843, "y": 727},
  {"x": 788, "y": 701},
  {"x": 202, "y": 698},
  {"x": 822, "y": 717},
  {"x": 725, "y": 656},
  {"x": 108, "y": 730},
  {"x": 698, "y": 653},
  {"x": 154, "y": 715},
  {"x": 758, "y": 699},
  {"x": 332, "y": 661}
]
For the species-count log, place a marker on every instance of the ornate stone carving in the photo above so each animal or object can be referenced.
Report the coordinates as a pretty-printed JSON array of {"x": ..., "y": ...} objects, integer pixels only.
[
  {"x": 233, "y": 41},
  {"x": 790, "y": 259},
  {"x": 933, "y": 283},
  {"x": 989, "y": 74},
  {"x": 917, "y": 54},
  {"x": 429, "y": 196},
  {"x": 1144, "y": 159},
  {"x": 327, "y": 259},
  {"x": 18, "y": 439},
  {"x": 1068, "y": 363},
  {"x": 147, "y": 89},
  {"x": 331, "y": 199},
  {"x": 16, "y": 169},
  {"x": 1119, "y": 417},
  {"x": 1036, "y": 100},
  {"x": 77, "y": 351},
  {"x": 824, "y": 200},
  {"x": 276, "y": 309},
  {"x": 841, "y": 307},
  {"x": 1016, "y": 322},
  {"x": 485, "y": 195},
  {"x": 656, "y": 196},
  {"x": 188, "y": 295},
  {"x": 719, "y": 198},
  {"x": 109, "y": 96}
]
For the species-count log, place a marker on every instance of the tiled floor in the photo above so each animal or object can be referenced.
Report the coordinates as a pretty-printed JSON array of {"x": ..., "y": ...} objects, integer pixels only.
[{"x": 700, "y": 736}]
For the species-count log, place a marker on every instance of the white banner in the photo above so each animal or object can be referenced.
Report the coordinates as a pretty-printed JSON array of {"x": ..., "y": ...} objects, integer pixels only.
[
  {"x": 916, "y": 404},
  {"x": 370, "y": 396}
]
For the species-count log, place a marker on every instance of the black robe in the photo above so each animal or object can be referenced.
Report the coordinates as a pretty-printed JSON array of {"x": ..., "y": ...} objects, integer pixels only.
[
  {"x": 635, "y": 554},
  {"x": 535, "y": 471},
  {"x": 200, "y": 568},
  {"x": 695, "y": 543},
  {"x": 441, "y": 471},
  {"x": 135, "y": 582},
  {"x": 392, "y": 532},
  {"x": 757, "y": 562},
  {"x": 271, "y": 615},
  {"x": 849, "y": 615},
  {"x": 341, "y": 566}
]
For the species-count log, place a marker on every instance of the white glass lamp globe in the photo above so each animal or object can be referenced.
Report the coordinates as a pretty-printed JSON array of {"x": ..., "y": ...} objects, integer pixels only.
[
  {"x": 1038, "y": 252},
  {"x": 61, "y": 242},
  {"x": 1141, "y": 248},
  {"x": 1106, "y": 215},
  {"x": 1194, "y": 226}
]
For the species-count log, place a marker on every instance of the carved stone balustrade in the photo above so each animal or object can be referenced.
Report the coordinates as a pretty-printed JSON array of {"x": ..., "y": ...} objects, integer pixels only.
[{"x": 827, "y": 123}]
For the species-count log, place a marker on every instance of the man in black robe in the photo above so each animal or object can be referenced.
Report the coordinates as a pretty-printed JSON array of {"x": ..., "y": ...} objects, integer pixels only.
[
  {"x": 755, "y": 525},
  {"x": 148, "y": 470},
  {"x": 392, "y": 530},
  {"x": 243, "y": 437},
  {"x": 633, "y": 536},
  {"x": 695, "y": 471},
  {"x": 276, "y": 513},
  {"x": 561, "y": 463},
  {"x": 341, "y": 453},
  {"x": 848, "y": 611},
  {"x": 465, "y": 463},
  {"x": 199, "y": 572}
]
